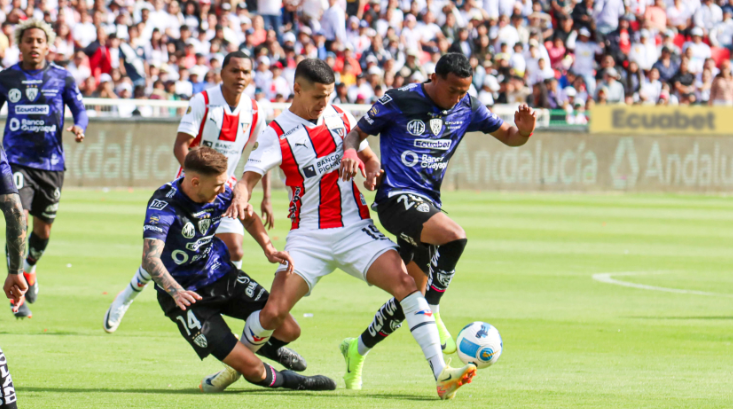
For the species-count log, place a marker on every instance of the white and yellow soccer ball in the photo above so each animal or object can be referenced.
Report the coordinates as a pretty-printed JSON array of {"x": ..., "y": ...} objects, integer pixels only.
[{"x": 480, "y": 344}]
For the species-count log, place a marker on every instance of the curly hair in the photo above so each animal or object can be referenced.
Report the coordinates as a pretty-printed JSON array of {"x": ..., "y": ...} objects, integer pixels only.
[{"x": 34, "y": 23}]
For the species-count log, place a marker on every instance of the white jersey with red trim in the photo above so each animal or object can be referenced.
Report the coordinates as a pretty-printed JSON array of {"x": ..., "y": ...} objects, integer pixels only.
[
  {"x": 310, "y": 154},
  {"x": 213, "y": 123}
]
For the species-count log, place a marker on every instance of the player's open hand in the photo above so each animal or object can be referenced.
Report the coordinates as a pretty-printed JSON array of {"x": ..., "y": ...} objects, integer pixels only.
[
  {"x": 15, "y": 286},
  {"x": 239, "y": 209},
  {"x": 268, "y": 216},
  {"x": 525, "y": 119},
  {"x": 281, "y": 257},
  {"x": 185, "y": 298},
  {"x": 350, "y": 164},
  {"x": 373, "y": 179},
  {"x": 78, "y": 132}
]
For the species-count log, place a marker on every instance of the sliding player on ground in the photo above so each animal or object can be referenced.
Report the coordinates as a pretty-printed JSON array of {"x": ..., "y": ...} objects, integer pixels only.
[
  {"x": 196, "y": 280},
  {"x": 420, "y": 127},
  {"x": 15, "y": 285},
  {"x": 36, "y": 92},
  {"x": 330, "y": 223}
]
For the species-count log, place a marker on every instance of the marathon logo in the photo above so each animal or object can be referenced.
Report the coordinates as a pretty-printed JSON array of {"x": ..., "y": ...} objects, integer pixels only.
[
  {"x": 438, "y": 144},
  {"x": 32, "y": 109}
]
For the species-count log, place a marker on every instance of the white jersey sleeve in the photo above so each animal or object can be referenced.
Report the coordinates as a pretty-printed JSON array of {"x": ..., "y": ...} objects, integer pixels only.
[
  {"x": 191, "y": 121},
  {"x": 260, "y": 126},
  {"x": 266, "y": 153}
]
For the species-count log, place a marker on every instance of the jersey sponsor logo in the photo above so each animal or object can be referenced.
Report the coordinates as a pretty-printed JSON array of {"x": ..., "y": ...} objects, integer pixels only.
[
  {"x": 323, "y": 165},
  {"x": 154, "y": 220},
  {"x": 207, "y": 144},
  {"x": 410, "y": 159},
  {"x": 32, "y": 82},
  {"x": 158, "y": 204},
  {"x": 436, "y": 125},
  {"x": 408, "y": 87},
  {"x": 31, "y": 125},
  {"x": 203, "y": 213},
  {"x": 14, "y": 95},
  {"x": 416, "y": 127},
  {"x": 32, "y": 109},
  {"x": 196, "y": 245},
  {"x": 373, "y": 112},
  {"x": 188, "y": 231},
  {"x": 31, "y": 92},
  {"x": 386, "y": 99},
  {"x": 153, "y": 228},
  {"x": 368, "y": 120},
  {"x": 438, "y": 144}
]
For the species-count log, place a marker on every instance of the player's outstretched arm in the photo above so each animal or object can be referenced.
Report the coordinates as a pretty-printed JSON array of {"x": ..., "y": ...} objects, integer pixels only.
[
  {"x": 16, "y": 230},
  {"x": 152, "y": 249},
  {"x": 266, "y": 206},
  {"x": 242, "y": 193},
  {"x": 525, "y": 120},
  {"x": 374, "y": 173},
  {"x": 350, "y": 164},
  {"x": 254, "y": 227},
  {"x": 181, "y": 146}
]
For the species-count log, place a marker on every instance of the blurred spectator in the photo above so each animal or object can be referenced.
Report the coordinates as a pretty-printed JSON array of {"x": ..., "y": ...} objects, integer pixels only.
[
  {"x": 655, "y": 16},
  {"x": 651, "y": 89},
  {"x": 585, "y": 53},
  {"x": 722, "y": 34},
  {"x": 721, "y": 91},
  {"x": 708, "y": 15},
  {"x": 684, "y": 83},
  {"x": 666, "y": 67},
  {"x": 632, "y": 80},
  {"x": 644, "y": 53},
  {"x": 612, "y": 88},
  {"x": 607, "y": 14},
  {"x": 679, "y": 14}
]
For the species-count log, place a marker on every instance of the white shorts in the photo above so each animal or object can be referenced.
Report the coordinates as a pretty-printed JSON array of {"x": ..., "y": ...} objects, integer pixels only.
[
  {"x": 229, "y": 225},
  {"x": 353, "y": 249}
]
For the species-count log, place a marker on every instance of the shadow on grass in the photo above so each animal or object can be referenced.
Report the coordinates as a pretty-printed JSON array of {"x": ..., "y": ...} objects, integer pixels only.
[
  {"x": 684, "y": 318},
  {"x": 191, "y": 391}
]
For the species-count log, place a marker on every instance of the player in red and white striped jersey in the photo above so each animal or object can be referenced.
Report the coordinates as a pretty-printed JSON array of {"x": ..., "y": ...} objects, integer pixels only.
[{"x": 331, "y": 227}]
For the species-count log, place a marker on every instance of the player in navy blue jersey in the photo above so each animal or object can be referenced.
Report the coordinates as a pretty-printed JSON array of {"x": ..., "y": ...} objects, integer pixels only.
[
  {"x": 15, "y": 284},
  {"x": 36, "y": 92},
  {"x": 420, "y": 127},
  {"x": 197, "y": 282}
]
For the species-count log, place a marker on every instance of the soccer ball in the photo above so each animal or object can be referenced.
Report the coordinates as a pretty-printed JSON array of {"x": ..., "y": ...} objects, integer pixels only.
[{"x": 480, "y": 344}]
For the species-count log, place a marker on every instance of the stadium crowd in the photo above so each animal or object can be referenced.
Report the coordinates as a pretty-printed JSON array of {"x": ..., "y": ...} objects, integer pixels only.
[{"x": 557, "y": 54}]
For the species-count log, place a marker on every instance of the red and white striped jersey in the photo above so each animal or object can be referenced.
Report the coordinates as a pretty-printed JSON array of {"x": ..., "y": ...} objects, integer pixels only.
[
  {"x": 310, "y": 154},
  {"x": 212, "y": 122}
]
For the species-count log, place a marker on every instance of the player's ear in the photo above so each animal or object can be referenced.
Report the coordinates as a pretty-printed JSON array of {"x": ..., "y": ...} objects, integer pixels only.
[{"x": 296, "y": 88}]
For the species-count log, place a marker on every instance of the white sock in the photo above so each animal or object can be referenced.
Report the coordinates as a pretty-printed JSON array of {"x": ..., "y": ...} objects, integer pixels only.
[
  {"x": 237, "y": 264},
  {"x": 254, "y": 335},
  {"x": 138, "y": 283},
  {"x": 422, "y": 326},
  {"x": 363, "y": 349},
  {"x": 27, "y": 268},
  {"x": 434, "y": 308}
]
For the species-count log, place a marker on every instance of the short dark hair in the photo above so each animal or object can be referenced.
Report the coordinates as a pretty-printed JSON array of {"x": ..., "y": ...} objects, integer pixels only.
[
  {"x": 315, "y": 70},
  {"x": 206, "y": 161},
  {"x": 234, "y": 54},
  {"x": 455, "y": 63}
]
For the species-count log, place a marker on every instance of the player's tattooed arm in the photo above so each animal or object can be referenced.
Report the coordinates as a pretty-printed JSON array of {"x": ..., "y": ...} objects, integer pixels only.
[
  {"x": 16, "y": 230},
  {"x": 350, "y": 163},
  {"x": 152, "y": 249}
]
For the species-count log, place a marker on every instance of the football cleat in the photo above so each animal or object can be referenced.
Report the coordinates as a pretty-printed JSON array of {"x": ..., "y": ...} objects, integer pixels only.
[
  {"x": 220, "y": 380},
  {"x": 446, "y": 340},
  {"x": 308, "y": 383},
  {"x": 32, "y": 292},
  {"x": 116, "y": 311},
  {"x": 291, "y": 359},
  {"x": 450, "y": 379},
  {"x": 21, "y": 310},
  {"x": 354, "y": 363}
]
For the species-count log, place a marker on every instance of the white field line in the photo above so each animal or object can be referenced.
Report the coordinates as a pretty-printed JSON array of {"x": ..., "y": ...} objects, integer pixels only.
[{"x": 608, "y": 279}]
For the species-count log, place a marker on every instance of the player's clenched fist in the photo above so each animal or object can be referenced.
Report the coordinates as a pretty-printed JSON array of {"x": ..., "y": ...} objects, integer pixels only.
[
  {"x": 350, "y": 164},
  {"x": 185, "y": 298},
  {"x": 15, "y": 286}
]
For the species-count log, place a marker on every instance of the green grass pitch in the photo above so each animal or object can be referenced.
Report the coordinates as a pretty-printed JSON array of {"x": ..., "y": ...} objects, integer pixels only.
[{"x": 570, "y": 341}]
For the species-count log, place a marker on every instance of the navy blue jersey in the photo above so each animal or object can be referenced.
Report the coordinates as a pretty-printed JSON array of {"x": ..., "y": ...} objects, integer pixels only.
[
  {"x": 417, "y": 139},
  {"x": 35, "y": 121},
  {"x": 192, "y": 255},
  {"x": 7, "y": 184}
]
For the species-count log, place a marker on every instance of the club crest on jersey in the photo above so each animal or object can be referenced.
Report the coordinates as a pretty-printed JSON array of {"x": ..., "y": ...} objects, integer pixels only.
[
  {"x": 31, "y": 92},
  {"x": 208, "y": 144},
  {"x": 436, "y": 125},
  {"x": 188, "y": 231},
  {"x": 14, "y": 95},
  {"x": 416, "y": 127},
  {"x": 201, "y": 341},
  {"x": 204, "y": 225}
]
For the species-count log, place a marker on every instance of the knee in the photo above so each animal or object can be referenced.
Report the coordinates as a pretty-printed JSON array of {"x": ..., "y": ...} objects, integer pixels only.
[
  {"x": 273, "y": 316},
  {"x": 236, "y": 253},
  {"x": 405, "y": 286},
  {"x": 454, "y": 233}
]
